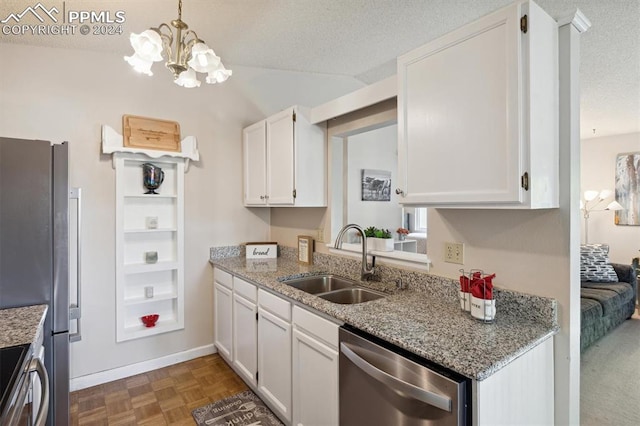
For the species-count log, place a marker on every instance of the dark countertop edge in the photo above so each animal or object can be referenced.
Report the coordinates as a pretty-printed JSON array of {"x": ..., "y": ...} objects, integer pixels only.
[
  {"x": 25, "y": 322},
  {"x": 479, "y": 374}
]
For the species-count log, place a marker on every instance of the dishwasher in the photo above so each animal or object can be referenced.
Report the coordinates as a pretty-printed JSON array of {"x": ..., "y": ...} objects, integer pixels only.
[{"x": 382, "y": 384}]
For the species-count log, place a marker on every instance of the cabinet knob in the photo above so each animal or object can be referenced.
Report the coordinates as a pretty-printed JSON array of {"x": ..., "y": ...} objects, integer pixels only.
[
  {"x": 262, "y": 197},
  {"x": 399, "y": 191}
]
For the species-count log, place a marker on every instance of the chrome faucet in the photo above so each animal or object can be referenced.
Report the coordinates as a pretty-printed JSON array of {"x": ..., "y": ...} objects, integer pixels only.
[{"x": 366, "y": 272}]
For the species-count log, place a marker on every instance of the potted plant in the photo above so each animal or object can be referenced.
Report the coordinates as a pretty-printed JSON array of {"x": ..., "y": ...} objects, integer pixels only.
[
  {"x": 402, "y": 233},
  {"x": 383, "y": 240}
]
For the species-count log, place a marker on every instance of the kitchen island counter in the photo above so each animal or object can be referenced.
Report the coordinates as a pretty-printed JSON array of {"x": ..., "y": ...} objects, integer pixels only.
[
  {"x": 424, "y": 319},
  {"x": 19, "y": 326}
]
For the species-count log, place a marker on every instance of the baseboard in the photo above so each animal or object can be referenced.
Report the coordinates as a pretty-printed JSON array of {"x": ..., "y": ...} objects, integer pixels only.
[{"x": 95, "y": 379}]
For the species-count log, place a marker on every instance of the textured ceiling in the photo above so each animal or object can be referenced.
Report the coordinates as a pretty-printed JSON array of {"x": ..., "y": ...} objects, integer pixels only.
[{"x": 362, "y": 38}]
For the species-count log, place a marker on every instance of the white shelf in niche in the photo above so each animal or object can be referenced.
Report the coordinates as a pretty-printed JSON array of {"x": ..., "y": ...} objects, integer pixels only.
[
  {"x": 144, "y": 300},
  {"x": 151, "y": 196},
  {"x": 162, "y": 326},
  {"x": 147, "y": 230},
  {"x": 139, "y": 268}
]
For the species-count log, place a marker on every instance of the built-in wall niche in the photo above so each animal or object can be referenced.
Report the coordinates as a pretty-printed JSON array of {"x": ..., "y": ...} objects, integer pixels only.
[
  {"x": 370, "y": 144},
  {"x": 149, "y": 246}
]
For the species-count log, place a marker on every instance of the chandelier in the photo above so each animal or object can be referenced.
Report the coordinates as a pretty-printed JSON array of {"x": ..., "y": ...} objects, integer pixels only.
[{"x": 186, "y": 53}]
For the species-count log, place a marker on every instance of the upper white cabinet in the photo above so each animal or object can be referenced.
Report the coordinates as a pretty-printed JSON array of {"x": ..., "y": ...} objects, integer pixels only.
[
  {"x": 478, "y": 114},
  {"x": 284, "y": 160}
]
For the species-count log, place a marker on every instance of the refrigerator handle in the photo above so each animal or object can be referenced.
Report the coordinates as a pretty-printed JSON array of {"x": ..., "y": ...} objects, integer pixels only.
[{"x": 74, "y": 308}]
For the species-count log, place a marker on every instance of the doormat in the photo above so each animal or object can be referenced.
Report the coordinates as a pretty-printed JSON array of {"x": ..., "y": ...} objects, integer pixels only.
[{"x": 242, "y": 409}]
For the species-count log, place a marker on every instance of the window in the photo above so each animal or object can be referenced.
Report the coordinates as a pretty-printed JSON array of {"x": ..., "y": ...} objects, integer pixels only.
[{"x": 421, "y": 220}]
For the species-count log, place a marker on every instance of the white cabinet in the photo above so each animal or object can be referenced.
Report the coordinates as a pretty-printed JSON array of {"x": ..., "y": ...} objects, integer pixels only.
[
  {"x": 284, "y": 161},
  {"x": 274, "y": 352},
  {"x": 148, "y": 283},
  {"x": 315, "y": 369},
  {"x": 478, "y": 114},
  {"x": 223, "y": 313},
  {"x": 245, "y": 330}
]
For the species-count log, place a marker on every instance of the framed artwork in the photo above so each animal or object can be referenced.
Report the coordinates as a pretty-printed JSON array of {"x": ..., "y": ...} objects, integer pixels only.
[
  {"x": 376, "y": 185},
  {"x": 305, "y": 249},
  {"x": 628, "y": 188}
]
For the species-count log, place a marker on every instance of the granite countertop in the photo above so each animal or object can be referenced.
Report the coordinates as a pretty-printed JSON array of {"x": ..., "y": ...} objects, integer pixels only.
[
  {"x": 19, "y": 326},
  {"x": 429, "y": 324}
]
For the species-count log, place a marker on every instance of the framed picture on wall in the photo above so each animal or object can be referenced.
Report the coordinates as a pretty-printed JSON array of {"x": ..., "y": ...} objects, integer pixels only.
[
  {"x": 628, "y": 188},
  {"x": 376, "y": 185}
]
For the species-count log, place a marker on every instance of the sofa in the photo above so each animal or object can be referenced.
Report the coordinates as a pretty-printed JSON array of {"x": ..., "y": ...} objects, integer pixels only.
[{"x": 605, "y": 305}]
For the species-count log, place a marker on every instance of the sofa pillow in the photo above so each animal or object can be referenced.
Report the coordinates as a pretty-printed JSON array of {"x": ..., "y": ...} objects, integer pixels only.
[{"x": 594, "y": 264}]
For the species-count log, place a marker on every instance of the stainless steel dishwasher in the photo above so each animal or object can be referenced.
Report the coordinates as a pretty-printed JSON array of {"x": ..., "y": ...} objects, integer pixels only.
[{"x": 381, "y": 384}]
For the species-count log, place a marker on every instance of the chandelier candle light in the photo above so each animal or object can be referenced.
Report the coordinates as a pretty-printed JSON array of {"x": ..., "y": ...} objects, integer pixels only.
[
  {"x": 188, "y": 55},
  {"x": 592, "y": 199}
]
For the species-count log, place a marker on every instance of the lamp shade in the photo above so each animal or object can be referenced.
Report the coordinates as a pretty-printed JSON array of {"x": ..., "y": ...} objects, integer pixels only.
[
  {"x": 614, "y": 205},
  {"x": 590, "y": 195},
  {"x": 203, "y": 59},
  {"x": 148, "y": 45},
  {"x": 140, "y": 65},
  {"x": 219, "y": 75},
  {"x": 187, "y": 79}
]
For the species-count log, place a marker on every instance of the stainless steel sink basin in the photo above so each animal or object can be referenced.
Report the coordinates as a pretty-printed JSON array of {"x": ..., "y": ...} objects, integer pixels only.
[
  {"x": 334, "y": 289},
  {"x": 348, "y": 296},
  {"x": 320, "y": 283}
]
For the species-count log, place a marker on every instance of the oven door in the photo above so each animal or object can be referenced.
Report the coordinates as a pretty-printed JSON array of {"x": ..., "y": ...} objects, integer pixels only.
[
  {"x": 20, "y": 410},
  {"x": 380, "y": 386}
]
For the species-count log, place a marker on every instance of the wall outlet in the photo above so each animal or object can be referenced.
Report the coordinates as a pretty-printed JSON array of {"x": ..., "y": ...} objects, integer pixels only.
[
  {"x": 454, "y": 253},
  {"x": 320, "y": 235}
]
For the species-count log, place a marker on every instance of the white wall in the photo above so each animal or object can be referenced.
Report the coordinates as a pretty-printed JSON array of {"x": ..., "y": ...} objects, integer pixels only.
[
  {"x": 66, "y": 95},
  {"x": 376, "y": 149},
  {"x": 598, "y": 172}
]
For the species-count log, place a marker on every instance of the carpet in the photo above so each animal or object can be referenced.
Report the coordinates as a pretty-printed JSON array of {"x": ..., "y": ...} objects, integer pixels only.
[
  {"x": 610, "y": 378},
  {"x": 242, "y": 409}
]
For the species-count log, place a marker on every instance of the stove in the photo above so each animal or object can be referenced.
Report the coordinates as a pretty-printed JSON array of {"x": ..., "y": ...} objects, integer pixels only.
[{"x": 14, "y": 381}]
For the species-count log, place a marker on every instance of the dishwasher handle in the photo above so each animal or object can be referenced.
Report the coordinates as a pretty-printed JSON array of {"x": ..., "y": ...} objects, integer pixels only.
[
  {"x": 37, "y": 366},
  {"x": 431, "y": 398}
]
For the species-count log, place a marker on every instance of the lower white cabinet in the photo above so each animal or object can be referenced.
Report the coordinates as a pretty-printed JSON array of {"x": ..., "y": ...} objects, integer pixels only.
[
  {"x": 245, "y": 330},
  {"x": 287, "y": 355},
  {"x": 223, "y": 319},
  {"x": 274, "y": 352},
  {"x": 315, "y": 369}
]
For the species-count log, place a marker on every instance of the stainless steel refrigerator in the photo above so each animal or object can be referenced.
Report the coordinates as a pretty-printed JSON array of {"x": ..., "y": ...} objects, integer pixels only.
[{"x": 34, "y": 249}]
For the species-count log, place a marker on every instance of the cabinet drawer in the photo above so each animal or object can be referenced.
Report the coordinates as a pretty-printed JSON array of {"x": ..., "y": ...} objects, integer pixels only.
[
  {"x": 316, "y": 325},
  {"x": 245, "y": 289},
  {"x": 223, "y": 278},
  {"x": 275, "y": 305}
]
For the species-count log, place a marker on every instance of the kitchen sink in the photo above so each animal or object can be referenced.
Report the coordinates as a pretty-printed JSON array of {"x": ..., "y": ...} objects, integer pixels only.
[
  {"x": 334, "y": 289},
  {"x": 348, "y": 296},
  {"x": 320, "y": 283}
]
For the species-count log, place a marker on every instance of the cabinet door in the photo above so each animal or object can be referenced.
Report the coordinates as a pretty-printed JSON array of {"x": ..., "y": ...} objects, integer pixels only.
[
  {"x": 315, "y": 381},
  {"x": 274, "y": 361},
  {"x": 254, "y": 145},
  {"x": 280, "y": 158},
  {"x": 223, "y": 321},
  {"x": 245, "y": 333},
  {"x": 459, "y": 115}
]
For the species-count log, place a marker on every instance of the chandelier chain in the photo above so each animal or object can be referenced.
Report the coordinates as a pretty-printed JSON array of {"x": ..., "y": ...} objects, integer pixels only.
[{"x": 180, "y": 9}]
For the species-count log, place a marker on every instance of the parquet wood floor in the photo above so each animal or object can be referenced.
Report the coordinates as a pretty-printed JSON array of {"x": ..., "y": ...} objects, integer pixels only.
[{"x": 160, "y": 397}]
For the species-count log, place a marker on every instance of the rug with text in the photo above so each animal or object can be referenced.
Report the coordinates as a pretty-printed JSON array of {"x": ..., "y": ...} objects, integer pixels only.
[{"x": 243, "y": 409}]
